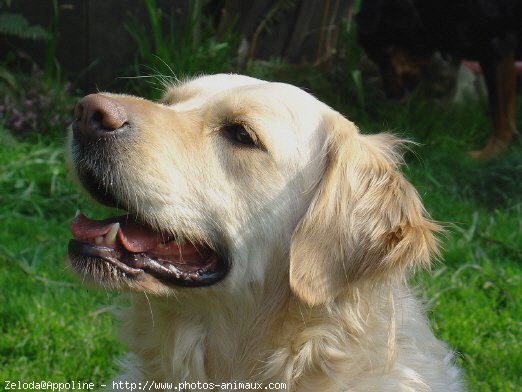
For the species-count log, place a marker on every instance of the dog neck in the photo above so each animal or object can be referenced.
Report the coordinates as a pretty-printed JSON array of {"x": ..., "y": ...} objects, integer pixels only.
[
  {"x": 204, "y": 334},
  {"x": 218, "y": 339}
]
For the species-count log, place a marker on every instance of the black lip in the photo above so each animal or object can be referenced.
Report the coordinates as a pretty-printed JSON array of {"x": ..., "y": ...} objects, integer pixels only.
[{"x": 132, "y": 265}]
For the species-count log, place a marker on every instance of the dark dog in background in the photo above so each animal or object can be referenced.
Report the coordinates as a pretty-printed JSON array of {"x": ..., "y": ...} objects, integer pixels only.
[{"x": 402, "y": 35}]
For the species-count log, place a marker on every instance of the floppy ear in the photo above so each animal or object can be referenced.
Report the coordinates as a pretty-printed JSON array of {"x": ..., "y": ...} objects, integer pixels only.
[{"x": 366, "y": 220}]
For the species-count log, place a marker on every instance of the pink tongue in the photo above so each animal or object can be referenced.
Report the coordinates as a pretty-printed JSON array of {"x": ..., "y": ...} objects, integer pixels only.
[{"x": 134, "y": 237}]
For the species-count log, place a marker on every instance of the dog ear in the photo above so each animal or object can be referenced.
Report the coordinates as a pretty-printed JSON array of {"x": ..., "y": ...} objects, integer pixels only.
[{"x": 366, "y": 220}]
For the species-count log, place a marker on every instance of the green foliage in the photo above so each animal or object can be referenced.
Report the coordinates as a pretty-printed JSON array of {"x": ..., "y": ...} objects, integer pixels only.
[
  {"x": 349, "y": 55},
  {"x": 50, "y": 326},
  {"x": 16, "y": 25},
  {"x": 51, "y": 67},
  {"x": 33, "y": 104},
  {"x": 34, "y": 101},
  {"x": 169, "y": 49}
]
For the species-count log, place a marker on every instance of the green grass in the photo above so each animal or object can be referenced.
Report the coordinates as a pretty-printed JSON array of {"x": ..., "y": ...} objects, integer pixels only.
[{"x": 53, "y": 328}]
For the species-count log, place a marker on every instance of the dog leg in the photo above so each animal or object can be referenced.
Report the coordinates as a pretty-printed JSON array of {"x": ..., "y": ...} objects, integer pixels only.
[{"x": 501, "y": 80}]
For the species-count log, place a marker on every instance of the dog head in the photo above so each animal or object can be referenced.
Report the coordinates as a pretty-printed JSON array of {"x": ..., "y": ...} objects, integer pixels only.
[{"x": 230, "y": 181}]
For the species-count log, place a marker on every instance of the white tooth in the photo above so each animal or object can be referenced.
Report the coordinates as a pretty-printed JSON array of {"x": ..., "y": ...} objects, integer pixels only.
[
  {"x": 98, "y": 240},
  {"x": 110, "y": 237},
  {"x": 77, "y": 213}
]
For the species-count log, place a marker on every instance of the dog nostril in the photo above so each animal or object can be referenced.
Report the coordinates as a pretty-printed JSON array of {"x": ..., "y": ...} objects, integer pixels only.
[
  {"x": 108, "y": 121},
  {"x": 97, "y": 117}
]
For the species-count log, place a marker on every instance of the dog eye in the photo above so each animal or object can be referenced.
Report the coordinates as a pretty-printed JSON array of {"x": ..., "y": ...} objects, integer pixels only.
[{"x": 238, "y": 134}]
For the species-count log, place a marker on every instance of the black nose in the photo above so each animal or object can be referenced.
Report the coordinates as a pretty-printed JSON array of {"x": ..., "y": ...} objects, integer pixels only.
[{"x": 98, "y": 116}]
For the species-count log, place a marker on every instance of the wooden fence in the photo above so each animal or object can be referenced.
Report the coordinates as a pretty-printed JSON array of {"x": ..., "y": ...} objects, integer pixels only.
[{"x": 95, "y": 48}]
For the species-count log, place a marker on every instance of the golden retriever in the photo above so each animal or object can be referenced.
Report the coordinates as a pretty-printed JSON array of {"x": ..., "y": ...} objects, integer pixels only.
[{"x": 266, "y": 243}]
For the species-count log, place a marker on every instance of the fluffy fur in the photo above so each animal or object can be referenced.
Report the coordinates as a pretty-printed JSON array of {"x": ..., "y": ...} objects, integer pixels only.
[{"x": 321, "y": 230}]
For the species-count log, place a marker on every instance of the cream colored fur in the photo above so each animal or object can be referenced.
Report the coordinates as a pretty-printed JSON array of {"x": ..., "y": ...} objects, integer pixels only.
[{"x": 322, "y": 231}]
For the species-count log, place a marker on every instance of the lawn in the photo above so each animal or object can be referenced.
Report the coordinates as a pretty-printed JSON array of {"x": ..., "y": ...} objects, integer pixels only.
[{"x": 54, "y": 328}]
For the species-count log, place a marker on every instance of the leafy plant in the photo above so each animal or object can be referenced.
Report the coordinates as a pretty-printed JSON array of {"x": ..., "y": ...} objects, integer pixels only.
[
  {"x": 35, "y": 99},
  {"x": 35, "y": 105},
  {"x": 169, "y": 49},
  {"x": 51, "y": 67},
  {"x": 350, "y": 52},
  {"x": 16, "y": 25}
]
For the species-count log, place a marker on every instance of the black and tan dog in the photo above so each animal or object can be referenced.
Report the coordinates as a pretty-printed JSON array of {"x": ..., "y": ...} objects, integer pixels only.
[{"x": 401, "y": 35}]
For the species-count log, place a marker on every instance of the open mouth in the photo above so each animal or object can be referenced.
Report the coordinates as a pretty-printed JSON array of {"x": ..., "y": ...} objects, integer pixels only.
[{"x": 123, "y": 244}]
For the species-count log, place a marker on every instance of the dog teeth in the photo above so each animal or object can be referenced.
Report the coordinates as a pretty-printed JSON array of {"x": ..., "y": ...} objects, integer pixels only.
[
  {"x": 110, "y": 238},
  {"x": 98, "y": 240},
  {"x": 77, "y": 213}
]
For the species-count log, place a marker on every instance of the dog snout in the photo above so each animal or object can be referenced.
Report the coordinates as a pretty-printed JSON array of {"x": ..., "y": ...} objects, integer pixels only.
[{"x": 98, "y": 116}]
